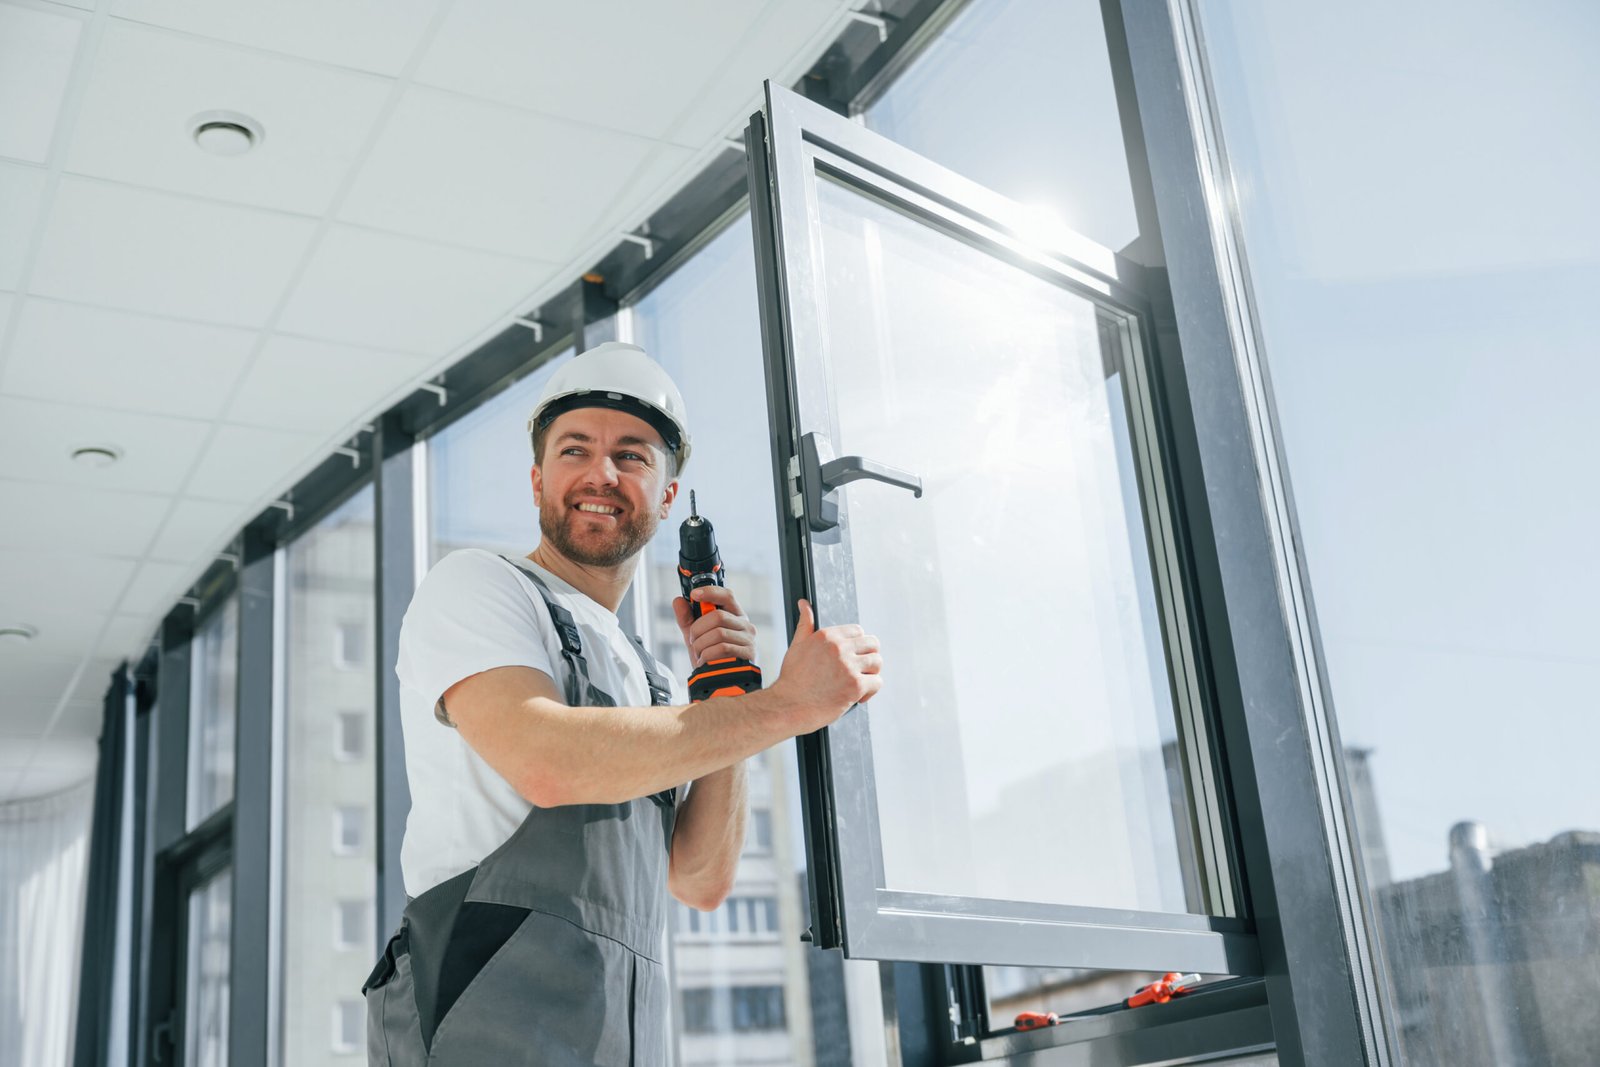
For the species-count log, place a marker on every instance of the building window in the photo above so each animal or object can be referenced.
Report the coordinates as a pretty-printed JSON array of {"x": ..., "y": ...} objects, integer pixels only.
[
  {"x": 350, "y": 736},
  {"x": 349, "y": 923},
  {"x": 349, "y": 645},
  {"x": 349, "y": 829},
  {"x": 736, "y": 1008},
  {"x": 349, "y": 1024},
  {"x": 758, "y": 835},
  {"x": 758, "y": 1007}
]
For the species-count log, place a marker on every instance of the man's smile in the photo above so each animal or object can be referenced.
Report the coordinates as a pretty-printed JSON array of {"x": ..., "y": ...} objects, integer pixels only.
[{"x": 599, "y": 509}]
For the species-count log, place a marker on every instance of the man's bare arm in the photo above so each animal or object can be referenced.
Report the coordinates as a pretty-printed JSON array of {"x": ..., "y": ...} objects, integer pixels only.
[
  {"x": 553, "y": 754},
  {"x": 708, "y": 838}
]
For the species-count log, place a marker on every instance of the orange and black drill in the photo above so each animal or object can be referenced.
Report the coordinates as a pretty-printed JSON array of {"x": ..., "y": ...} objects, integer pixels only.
[{"x": 699, "y": 564}]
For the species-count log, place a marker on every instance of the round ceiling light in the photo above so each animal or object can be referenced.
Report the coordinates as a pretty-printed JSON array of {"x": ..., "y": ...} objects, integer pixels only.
[
  {"x": 225, "y": 133},
  {"x": 96, "y": 456},
  {"x": 17, "y": 635}
]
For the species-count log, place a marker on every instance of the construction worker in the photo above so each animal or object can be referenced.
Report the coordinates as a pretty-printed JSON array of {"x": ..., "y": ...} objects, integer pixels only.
[{"x": 546, "y": 753}]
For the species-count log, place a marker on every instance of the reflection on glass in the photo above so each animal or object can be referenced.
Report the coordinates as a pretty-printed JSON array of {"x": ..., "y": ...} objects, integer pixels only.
[
  {"x": 205, "y": 1028},
  {"x": 479, "y": 492},
  {"x": 1017, "y": 95},
  {"x": 329, "y": 886},
  {"x": 213, "y": 712},
  {"x": 740, "y": 974},
  {"x": 1424, "y": 245},
  {"x": 1028, "y": 698}
]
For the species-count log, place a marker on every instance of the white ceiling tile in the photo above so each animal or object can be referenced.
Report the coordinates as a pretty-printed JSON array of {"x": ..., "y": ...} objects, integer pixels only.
[
  {"x": 35, "y": 584},
  {"x": 36, "y": 683},
  {"x": 95, "y": 355},
  {"x": 63, "y": 629},
  {"x": 126, "y": 637},
  {"x": 156, "y": 587},
  {"x": 655, "y": 57},
  {"x": 196, "y": 530},
  {"x": 381, "y": 291},
  {"x": 167, "y": 255},
  {"x": 148, "y": 84},
  {"x": 48, "y": 751},
  {"x": 93, "y": 681},
  {"x": 67, "y": 518},
  {"x": 375, "y": 35},
  {"x": 37, "y": 438},
  {"x": 492, "y": 177},
  {"x": 21, "y": 206},
  {"x": 36, "y": 52},
  {"x": 785, "y": 43},
  {"x": 79, "y": 721},
  {"x": 7, "y": 302},
  {"x": 243, "y": 462},
  {"x": 318, "y": 386}
]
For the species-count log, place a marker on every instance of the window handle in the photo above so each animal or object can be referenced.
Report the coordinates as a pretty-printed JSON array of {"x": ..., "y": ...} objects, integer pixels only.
[{"x": 824, "y": 474}]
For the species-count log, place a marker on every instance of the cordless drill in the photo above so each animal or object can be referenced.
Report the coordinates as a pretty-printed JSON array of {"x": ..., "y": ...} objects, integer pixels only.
[{"x": 700, "y": 564}]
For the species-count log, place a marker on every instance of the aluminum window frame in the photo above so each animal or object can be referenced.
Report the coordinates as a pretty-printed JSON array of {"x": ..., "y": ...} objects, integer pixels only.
[{"x": 802, "y": 145}]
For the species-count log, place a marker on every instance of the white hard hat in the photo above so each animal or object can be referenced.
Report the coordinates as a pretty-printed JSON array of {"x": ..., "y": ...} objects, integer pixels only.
[{"x": 621, "y": 377}]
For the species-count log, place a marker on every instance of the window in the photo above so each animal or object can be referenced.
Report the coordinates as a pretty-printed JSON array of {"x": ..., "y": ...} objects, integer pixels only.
[
  {"x": 350, "y": 924},
  {"x": 350, "y": 736},
  {"x": 758, "y": 833},
  {"x": 740, "y": 1009},
  {"x": 349, "y": 1025},
  {"x": 349, "y": 829},
  {"x": 330, "y": 775},
  {"x": 1424, "y": 250},
  {"x": 206, "y": 972},
  {"x": 349, "y": 645},
  {"x": 213, "y": 712},
  {"x": 478, "y": 490}
]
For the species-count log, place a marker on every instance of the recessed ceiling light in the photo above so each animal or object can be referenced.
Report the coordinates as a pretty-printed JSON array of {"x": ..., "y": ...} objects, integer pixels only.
[
  {"x": 225, "y": 133},
  {"x": 96, "y": 456},
  {"x": 17, "y": 635}
]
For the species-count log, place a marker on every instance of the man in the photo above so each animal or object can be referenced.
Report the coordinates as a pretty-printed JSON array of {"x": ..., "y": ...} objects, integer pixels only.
[{"x": 545, "y": 753}]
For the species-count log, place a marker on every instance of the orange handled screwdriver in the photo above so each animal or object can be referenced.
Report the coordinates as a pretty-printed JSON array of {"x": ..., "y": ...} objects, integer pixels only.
[{"x": 700, "y": 564}]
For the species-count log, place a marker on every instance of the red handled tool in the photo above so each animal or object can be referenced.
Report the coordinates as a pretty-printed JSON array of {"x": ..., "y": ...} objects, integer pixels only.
[
  {"x": 700, "y": 564},
  {"x": 1172, "y": 984}
]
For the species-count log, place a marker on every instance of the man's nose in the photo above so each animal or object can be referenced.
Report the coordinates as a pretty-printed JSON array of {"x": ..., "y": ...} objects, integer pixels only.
[{"x": 603, "y": 471}]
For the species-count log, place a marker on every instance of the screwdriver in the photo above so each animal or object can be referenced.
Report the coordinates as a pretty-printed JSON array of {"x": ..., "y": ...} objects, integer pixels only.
[{"x": 700, "y": 564}]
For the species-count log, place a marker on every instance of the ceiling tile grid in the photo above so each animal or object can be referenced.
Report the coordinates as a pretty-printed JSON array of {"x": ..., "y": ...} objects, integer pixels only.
[{"x": 427, "y": 170}]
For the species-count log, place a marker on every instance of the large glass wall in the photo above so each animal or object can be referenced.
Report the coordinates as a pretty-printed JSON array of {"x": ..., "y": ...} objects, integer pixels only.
[
  {"x": 207, "y": 971},
  {"x": 213, "y": 712},
  {"x": 1416, "y": 189},
  {"x": 329, "y": 851}
]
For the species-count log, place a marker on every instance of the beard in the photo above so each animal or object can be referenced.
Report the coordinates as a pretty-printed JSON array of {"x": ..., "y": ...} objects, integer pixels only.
[{"x": 599, "y": 549}]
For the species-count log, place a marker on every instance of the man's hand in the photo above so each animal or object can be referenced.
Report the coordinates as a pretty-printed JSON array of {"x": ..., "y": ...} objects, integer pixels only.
[
  {"x": 723, "y": 634},
  {"x": 827, "y": 671}
]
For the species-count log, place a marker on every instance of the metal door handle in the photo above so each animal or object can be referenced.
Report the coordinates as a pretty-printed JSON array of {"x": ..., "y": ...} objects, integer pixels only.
[{"x": 822, "y": 475}]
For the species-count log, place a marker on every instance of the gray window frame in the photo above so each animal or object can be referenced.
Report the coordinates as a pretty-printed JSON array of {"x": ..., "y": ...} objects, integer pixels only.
[{"x": 803, "y": 144}]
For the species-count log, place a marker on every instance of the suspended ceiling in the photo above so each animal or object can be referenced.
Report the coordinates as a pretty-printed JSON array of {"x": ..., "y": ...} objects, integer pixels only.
[{"x": 428, "y": 170}]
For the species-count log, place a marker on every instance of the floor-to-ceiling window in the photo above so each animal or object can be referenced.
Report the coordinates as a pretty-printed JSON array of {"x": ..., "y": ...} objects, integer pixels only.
[
  {"x": 329, "y": 847},
  {"x": 1415, "y": 185}
]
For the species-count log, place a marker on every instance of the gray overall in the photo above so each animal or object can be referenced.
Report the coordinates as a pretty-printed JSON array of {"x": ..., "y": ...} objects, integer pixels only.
[{"x": 548, "y": 951}]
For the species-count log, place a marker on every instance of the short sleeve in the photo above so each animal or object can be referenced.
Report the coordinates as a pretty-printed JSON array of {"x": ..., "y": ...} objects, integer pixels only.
[{"x": 469, "y": 615}]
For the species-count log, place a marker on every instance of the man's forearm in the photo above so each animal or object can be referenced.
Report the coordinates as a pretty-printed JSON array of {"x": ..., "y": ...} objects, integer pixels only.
[
  {"x": 554, "y": 754},
  {"x": 708, "y": 838}
]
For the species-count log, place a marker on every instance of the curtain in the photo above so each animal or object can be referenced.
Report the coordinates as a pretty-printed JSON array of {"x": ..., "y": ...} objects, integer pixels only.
[{"x": 44, "y": 850}]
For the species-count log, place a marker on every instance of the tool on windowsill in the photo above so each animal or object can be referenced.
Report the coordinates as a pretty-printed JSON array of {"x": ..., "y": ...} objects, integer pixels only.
[
  {"x": 700, "y": 564},
  {"x": 1172, "y": 984}
]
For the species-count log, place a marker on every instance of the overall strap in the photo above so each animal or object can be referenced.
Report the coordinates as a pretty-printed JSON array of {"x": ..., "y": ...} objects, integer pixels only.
[
  {"x": 581, "y": 691},
  {"x": 660, "y": 691}
]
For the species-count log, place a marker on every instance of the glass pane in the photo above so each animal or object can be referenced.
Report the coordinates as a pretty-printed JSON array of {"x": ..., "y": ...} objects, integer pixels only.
[
  {"x": 1017, "y": 95},
  {"x": 1416, "y": 191},
  {"x": 1026, "y": 721},
  {"x": 479, "y": 492},
  {"x": 213, "y": 711},
  {"x": 744, "y": 982},
  {"x": 1062, "y": 990},
  {"x": 205, "y": 983},
  {"x": 329, "y": 884}
]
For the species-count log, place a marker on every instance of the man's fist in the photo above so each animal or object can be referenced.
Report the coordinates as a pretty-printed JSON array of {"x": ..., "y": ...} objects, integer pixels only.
[
  {"x": 827, "y": 671},
  {"x": 723, "y": 634}
]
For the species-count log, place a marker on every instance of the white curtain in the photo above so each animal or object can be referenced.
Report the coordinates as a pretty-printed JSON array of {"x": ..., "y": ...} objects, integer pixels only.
[{"x": 44, "y": 854}]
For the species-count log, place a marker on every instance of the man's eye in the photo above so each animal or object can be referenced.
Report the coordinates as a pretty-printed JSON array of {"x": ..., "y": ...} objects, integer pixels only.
[
  {"x": 572, "y": 450},
  {"x": 632, "y": 456}
]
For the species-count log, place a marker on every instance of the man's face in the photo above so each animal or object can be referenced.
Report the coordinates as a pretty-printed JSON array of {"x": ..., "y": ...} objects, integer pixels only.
[{"x": 603, "y": 486}]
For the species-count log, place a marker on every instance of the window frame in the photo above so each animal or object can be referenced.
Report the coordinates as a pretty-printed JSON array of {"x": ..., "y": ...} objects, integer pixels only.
[{"x": 801, "y": 145}]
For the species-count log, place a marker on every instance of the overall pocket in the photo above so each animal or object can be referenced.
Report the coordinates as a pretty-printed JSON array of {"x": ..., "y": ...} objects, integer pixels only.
[{"x": 394, "y": 1034}]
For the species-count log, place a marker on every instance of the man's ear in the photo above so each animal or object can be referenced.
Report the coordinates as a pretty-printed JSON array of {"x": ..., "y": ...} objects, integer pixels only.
[
  {"x": 537, "y": 477},
  {"x": 667, "y": 496}
]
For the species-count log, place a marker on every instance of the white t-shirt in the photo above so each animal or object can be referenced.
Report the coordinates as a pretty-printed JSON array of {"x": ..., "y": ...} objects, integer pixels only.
[{"x": 469, "y": 615}]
